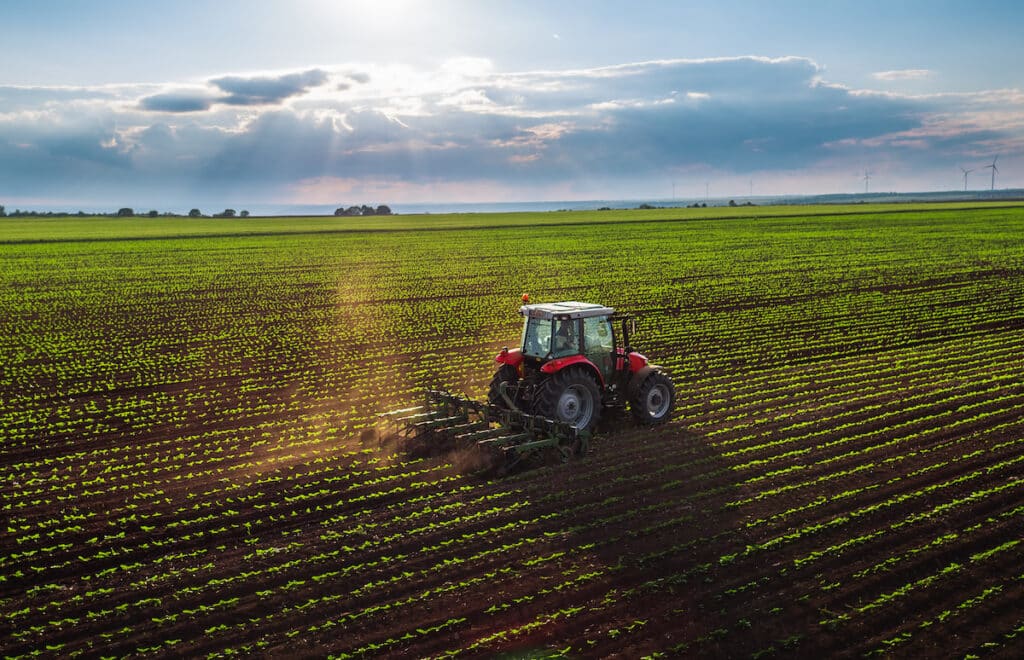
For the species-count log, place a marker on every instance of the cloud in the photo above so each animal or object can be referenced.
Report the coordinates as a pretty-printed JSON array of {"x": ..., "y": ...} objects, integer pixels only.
[
  {"x": 243, "y": 91},
  {"x": 177, "y": 102},
  {"x": 902, "y": 74},
  {"x": 465, "y": 126},
  {"x": 360, "y": 77},
  {"x": 16, "y": 99},
  {"x": 268, "y": 90}
]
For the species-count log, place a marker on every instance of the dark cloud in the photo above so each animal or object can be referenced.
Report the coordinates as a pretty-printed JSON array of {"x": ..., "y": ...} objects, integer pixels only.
[
  {"x": 39, "y": 159},
  {"x": 351, "y": 79},
  {"x": 268, "y": 90},
  {"x": 274, "y": 143},
  {"x": 740, "y": 80},
  {"x": 360, "y": 77},
  {"x": 778, "y": 131},
  {"x": 241, "y": 91},
  {"x": 176, "y": 102}
]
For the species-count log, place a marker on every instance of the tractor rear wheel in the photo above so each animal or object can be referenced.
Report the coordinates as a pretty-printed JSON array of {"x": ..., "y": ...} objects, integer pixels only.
[
  {"x": 571, "y": 396},
  {"x": 654, "y": 400},
  {"x": 506, "y": 374}
]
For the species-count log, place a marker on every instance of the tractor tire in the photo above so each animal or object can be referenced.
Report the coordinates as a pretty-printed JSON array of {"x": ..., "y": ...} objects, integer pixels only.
[
  {"x": 655, "y": 400},
  {"x": 506, "y": 374},
  {"x": 571, "y": 396}
]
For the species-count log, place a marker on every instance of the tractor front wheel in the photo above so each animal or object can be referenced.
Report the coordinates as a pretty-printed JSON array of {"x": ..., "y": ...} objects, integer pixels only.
[
  {"x": 654, "y": 401},
  {"x": 571, "y": 396}
]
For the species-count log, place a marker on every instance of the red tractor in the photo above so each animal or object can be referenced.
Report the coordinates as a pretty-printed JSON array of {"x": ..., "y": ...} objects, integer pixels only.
[{"x": 574, "y": 360}]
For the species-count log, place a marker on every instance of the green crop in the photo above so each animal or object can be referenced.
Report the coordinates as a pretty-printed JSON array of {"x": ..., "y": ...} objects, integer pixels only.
[{"x": 191, "y": 462}]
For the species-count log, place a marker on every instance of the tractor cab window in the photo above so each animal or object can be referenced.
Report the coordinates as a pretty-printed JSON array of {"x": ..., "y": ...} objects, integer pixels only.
[
  {"x": 599, "y": 342},
  {"x": 537, "y": 337},
  {"x": 567, "y": 340},
  {"x": 597, "y": 332}
]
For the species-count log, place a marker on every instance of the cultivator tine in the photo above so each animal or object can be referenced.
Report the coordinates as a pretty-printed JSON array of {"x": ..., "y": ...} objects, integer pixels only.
[
  {"x": 439, "y": 423},
  {"x": 415, "y": 418},
  {"x": 462, "y": 429},
  {"x": 477, "y": 436},
  {"x": 503, "y": 441},
  {"x": 401, "y": 411},
  {"x": 404, "y": 413}
]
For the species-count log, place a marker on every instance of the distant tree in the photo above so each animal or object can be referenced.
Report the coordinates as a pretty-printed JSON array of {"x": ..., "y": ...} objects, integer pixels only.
[
  {"x": 244, "y": 214},
  {"x": 353, "y": 210},
  {"x": 228, "y": 213},
  {"x": 383, "y": 209},
  {"x": 125, "y": 212},
  {"x": 367, "y": 210},
  {"x": 2, "y": 212},
  {"x": 154, "y": 213},
  {"x": 339, "y": 211},
  {"x": 195, "y": 213},
  {"x": 732, "y": 202}
]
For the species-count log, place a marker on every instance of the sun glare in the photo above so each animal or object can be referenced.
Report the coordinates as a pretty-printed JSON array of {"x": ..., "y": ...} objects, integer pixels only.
[{"x": 371, "y": 15}]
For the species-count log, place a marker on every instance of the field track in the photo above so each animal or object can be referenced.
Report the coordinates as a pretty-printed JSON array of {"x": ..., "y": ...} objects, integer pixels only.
[{"x": 191, "y": 462}]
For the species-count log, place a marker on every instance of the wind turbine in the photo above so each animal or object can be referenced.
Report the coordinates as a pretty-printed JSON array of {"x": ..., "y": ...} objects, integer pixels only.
[
  {"x": 867, "y": 177},
  {"x": 966, "y": 172},
  {"x": 994, "y": 170}
]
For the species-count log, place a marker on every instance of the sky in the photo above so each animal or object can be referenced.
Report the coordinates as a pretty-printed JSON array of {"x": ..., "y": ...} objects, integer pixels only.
[{"x": 258, "y": 103}]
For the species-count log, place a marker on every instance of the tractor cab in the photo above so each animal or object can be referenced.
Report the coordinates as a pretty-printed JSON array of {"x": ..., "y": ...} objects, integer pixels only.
[
  {"x": 558, "y": 331},
  {"x": 573, "y": 360}
]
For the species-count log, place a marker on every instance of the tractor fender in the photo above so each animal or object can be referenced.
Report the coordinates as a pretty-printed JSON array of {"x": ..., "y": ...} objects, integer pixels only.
[
  {"x": 554, "y": 366},
  {"x": 512, "y": 357},
  {"x": 638, "y": 379},
  {"x": 636, "y": 361}
]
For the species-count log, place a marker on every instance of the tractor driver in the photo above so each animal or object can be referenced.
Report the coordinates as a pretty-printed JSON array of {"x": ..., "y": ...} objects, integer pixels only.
[{"x": 565, "y": 338}]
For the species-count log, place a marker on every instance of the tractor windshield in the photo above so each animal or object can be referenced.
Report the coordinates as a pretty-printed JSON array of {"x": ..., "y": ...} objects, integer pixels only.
[{"x": 537, "y": 337}]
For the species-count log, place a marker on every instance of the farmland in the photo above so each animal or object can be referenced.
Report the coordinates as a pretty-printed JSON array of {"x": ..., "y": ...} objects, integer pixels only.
[{"x": 191, "y": 466}]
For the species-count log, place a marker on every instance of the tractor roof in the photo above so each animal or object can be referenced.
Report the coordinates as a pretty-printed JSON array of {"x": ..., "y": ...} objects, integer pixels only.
[{"x": 565, "y": 310}]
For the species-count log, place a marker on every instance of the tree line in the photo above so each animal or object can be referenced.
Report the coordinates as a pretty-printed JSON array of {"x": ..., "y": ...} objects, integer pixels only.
[
  {"x": 124, "y": 212},
  {"x": 128, "y": 212},
  {"x": 383, "y": 209}
]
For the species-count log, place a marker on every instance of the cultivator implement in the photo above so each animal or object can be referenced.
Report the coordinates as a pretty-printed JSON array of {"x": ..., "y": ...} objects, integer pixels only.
[{"x": 501, "y": 438}]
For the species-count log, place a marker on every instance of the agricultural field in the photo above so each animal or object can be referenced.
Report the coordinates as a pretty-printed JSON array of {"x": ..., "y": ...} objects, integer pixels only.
[{"x": 192, "y": 466}]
